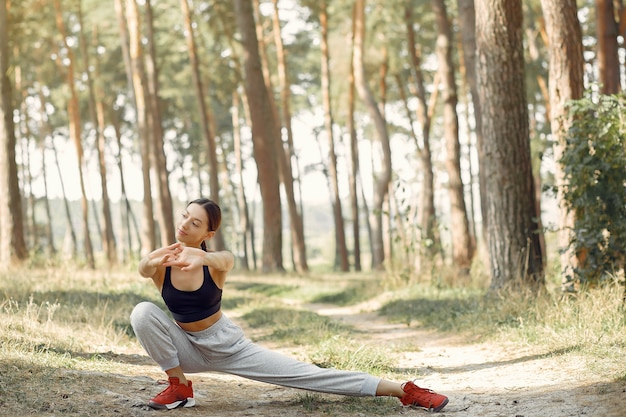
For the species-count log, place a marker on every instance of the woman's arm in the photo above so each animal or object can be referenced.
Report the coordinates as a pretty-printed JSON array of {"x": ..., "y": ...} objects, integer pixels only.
[
  {"x": 191, "y": 258},
  {"x": 222, "y": 261},
  {"x": 150, "y": 264}
]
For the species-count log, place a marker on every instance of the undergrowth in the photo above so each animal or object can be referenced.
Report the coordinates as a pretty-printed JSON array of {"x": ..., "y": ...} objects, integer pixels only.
[{"x": 77, "y": 319}]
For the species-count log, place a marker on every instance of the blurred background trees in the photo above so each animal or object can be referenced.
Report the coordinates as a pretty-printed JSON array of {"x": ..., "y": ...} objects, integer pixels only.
[{"x": 408, "y": 135}]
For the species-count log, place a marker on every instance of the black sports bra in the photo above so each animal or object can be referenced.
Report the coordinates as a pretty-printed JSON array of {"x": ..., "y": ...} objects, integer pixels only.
[{"x": 190, "y": 306}]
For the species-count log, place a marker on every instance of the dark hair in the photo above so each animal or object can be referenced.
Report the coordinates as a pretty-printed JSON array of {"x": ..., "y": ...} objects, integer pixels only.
[{"x": 213, "y": 212}]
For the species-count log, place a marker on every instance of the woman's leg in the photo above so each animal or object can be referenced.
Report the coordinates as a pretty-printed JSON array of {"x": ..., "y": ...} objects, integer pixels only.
[
  {"x": 165, "y": 342},
  {"x": 231, "y": 352}
]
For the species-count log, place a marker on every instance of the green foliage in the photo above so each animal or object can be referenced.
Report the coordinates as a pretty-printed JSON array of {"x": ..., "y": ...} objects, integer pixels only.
[{"x": 594, "y": 163}]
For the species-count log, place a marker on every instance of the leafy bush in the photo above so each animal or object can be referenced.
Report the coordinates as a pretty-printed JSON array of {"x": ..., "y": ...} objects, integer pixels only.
[{"x": 594, "y": 163}]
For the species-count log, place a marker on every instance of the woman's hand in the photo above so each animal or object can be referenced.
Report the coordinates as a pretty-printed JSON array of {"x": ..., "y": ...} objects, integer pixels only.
[
  {"x": 159, "y": 257},
  {"x": 187, "y": 259}
]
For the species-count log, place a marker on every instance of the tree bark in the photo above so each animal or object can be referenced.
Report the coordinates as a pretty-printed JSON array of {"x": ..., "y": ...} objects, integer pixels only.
[
  {"x": 137, "y": 72},
  {"x": 381, "y": 185},
  {"x": 44, "y": 133},
  {"x": 427, "y": 220},
  {"x": 73, "y": 113},
  {"x": 285, "y": 155},
  {"x": 353, "y": 175},
  {"x": 462, "y": 246},
  {"x": 12, "y": 242},
  {"x": 341, "y": 251},
  {"x": 565, "y": 83},
  {"x": 242, "y": 205},
  {"x": 127, "y": 218},
  {"x": 263, "y": 138},
  {"x": 513, "y": 237},
  {"x": 608, "y": 58},
  {"x": 467, "y": 29}
]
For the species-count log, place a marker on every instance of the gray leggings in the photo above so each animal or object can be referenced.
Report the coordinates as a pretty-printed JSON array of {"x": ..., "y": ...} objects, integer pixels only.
[{"x": 224, "y": 348}]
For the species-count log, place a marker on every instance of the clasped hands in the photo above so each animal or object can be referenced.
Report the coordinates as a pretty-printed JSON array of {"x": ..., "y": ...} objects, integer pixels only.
[{"x": 180, "y": 256}]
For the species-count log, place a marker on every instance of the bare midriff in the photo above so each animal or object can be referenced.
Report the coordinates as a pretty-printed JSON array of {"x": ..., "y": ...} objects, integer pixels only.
[{"x": 200, "y": 325}]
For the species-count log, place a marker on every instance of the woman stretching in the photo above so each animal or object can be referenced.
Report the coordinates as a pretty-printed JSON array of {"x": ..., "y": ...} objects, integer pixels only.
[{"x": 201, "y": 338}]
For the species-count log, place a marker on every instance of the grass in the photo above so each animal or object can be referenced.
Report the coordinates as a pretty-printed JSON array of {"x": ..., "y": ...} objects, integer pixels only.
[{"x": 63, "y": 318}]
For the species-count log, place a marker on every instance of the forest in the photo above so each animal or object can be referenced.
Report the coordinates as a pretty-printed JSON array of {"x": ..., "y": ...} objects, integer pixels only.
[{"x": 435, "y": 134}]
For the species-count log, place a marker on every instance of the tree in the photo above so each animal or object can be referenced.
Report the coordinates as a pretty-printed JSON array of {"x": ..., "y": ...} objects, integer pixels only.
[
  {"x": 74, "y": 120},
  {"x": 285, "y": 154},
  {"x": 208, "y": 134},
  {"x": 607, "y": 48},
  {"x": 353, "y": 174},
  {"x": 462, "y": 245},
  {"x": 565, "y": 84},
  {"x": 467, "y": 29},
  {"x": 263, "y": 137},
  {"x": 96, "y": 113},
  {"x": 513, "y": 233},
  {"x": 429, "y": 237},
  {"x": 155, "y": 136},
  {"x": 12, "y": 243},
  {"x": 341, "y": 251},
  {"x": 140, "y": 89},
  {"x": 381, "y": 186}
]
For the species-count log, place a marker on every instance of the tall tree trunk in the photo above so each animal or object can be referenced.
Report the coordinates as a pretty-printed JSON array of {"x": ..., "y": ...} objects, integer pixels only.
[
  {"x": 242, "y": 205},
  {"x": 285, "y": 155},
  {"x": 209, "y": 135},
  {"x": 12, "y": 243},
  {"x": 514, "y": 248},
  {"x": 22, "y": 135},
  {"x": 341, "y": 251},
  {"x": 354, "y": 157},
  {"x": 267, "y": 77},
  {"x": 263, "y": 138},
  {"x": 467, "y": 29},
  {"x": 251, "y": 240},
  {"x": 381, "y": 185},
  {"x": 126, "y": 213},
  {"x": 97, "y": 116},
  {"x": 608, "y": 58},
  {"x": 427, "y": 219},
  {"x": 73, "y": 112},
  {"x": 165, "y": 209},
  {"x": 382, "y": 105},
  {"x": 148, "y": 241},
  {"x": 69, "y": 230},
  {"x": 462, "y": 247},
  {"x": 566, "y": 83},
  {"x": 411, "y": 262},
  {"x": 44, "y": 133}
]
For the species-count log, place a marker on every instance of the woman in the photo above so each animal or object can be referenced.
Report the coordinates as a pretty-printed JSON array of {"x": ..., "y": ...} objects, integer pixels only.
[{"x": 201, "y": 338}]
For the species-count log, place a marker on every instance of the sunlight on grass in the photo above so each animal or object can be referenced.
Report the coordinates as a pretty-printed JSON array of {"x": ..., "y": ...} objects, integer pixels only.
[
  {"x": 76, "y": 319},
  {"x": 593, "y": 323},
  {"x": 341, "y": 352}
]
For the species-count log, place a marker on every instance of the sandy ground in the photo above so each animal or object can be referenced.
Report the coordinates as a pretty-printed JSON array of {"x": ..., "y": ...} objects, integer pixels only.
[{"x": 480, "y": 379}]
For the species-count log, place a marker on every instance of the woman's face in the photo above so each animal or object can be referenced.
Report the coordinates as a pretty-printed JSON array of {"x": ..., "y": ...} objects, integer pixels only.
[{"x": 193, "y": 226}]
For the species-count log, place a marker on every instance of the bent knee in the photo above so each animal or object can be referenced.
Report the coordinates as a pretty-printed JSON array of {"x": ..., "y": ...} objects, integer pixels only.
[{"x": 141, "y": 312}]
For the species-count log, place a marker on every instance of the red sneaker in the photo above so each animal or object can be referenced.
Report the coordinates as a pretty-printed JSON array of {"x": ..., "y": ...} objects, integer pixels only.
[
  {"x": 174, "y": 396},
  {"x": 422, "y": 397}
]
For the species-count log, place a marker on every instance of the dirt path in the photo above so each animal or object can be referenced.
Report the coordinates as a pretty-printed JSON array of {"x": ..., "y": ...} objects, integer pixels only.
[
  {"x": 480, "y": 379},
  {"x": 489, "y": 380}
]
